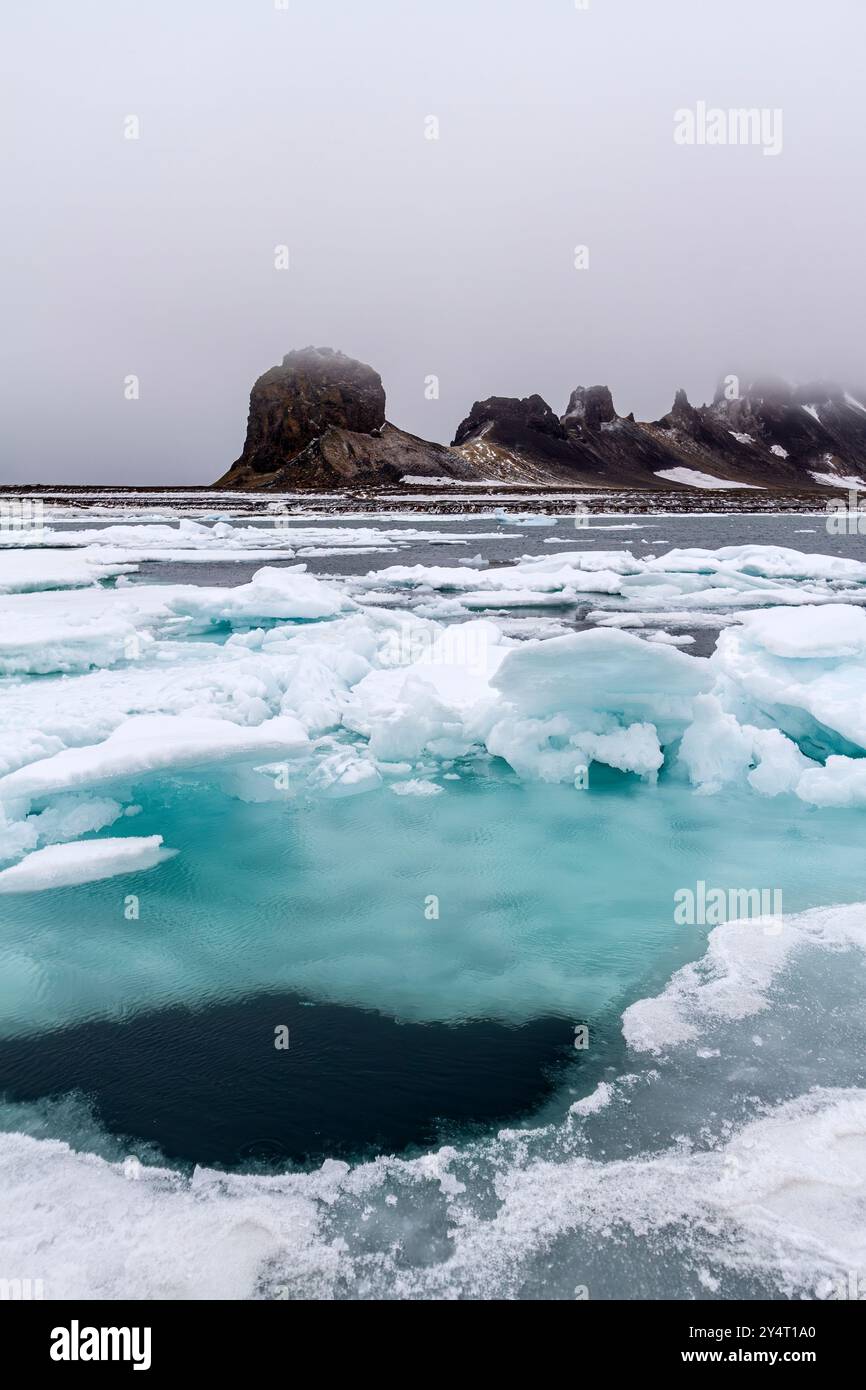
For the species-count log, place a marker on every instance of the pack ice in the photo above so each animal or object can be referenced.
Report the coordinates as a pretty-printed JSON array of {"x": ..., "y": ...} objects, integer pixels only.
[
  {"x": 122, "y": 699},
  {"x": 350, "y": 682}
]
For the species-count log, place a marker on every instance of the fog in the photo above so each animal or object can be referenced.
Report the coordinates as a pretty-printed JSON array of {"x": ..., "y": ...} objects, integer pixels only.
[{"x": 308, "y": 127}]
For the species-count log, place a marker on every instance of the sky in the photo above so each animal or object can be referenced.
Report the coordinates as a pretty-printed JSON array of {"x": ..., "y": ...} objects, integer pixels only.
[{"x": 143, "y": 290}]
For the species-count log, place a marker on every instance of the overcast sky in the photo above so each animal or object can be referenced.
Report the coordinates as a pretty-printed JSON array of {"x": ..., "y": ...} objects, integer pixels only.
[{"x": 307, "y": 127}]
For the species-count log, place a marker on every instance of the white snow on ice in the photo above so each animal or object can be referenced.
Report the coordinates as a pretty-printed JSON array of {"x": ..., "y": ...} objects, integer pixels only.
[
  {"x": 147, "y": 681},
  {"x": 693, "y": 477},
  {"x": 82, "y": 861}
]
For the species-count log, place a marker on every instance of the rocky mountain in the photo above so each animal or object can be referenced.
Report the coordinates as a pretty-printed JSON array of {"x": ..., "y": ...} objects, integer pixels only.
[
  {"x": 766, "y": 434},
  {"x": 318, "y": 420},
  {"x": 507, "y": 438},
  {"x": 771, "y": 434},
  {"x": 589, "y": 446}
]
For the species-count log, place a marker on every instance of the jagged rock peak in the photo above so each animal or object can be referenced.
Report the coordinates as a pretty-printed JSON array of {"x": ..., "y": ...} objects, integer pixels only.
[
  {"x": 682, "y": 414},
  {"x": 682, "y": 406},
  {"x": 589, "y": 407},
  {"x": 531, "y": 413}
]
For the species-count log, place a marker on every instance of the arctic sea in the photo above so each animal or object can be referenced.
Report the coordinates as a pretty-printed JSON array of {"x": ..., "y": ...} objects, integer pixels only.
[{"x": 409, "y": 1011}]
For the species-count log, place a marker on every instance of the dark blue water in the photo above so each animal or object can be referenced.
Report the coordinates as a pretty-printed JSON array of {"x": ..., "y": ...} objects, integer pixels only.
[{"x": 209, "y": 1086}]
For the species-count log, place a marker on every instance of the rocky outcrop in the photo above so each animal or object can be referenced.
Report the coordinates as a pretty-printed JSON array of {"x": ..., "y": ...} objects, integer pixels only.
[
  {"x": 532, "y": 417},
  {"x": 590, "y": 446},
  {"x": 312, "y": 390},
  {"x": 508, "y": 438},
  {"x": 682, "y": 414},
  {"x": 318, "y": 420},
  {"x": 769, "y": 434},
  {"x": 589, "y": 407},
  {"x": 766, "y": 434},
  {"x": 341, "y": 458}
]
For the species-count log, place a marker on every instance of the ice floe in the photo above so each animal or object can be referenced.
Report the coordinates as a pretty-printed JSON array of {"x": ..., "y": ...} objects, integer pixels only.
[
  {"x": 279, "y": 536},
  {"x": 82, "y": 861},
  {"x": 726, "y": 579},
  {"x": 291, "y": 683},
  {"x": 27, "y": 571},
  {"x": 289, "y": 657},
  {"x": 149, "y": 743}
]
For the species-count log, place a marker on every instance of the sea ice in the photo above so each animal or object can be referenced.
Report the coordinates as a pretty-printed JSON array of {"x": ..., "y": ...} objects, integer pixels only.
[
  {"x": 355, "y": 696},
  {"x": 152, "y": 743},
  {"x": 26, "y": 571},
  {"x": 82, "y": 861}
]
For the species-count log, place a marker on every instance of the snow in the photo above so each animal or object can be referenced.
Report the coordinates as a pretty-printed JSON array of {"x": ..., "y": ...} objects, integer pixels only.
[
  {"x": 421, "y": 481},
  {"x": 595, "y": 526},
  {"x": 805, "y": 671},
  {"x": 591, "y": 1104},
  {"x": 693, "y": 477},
  {"x": 742, "y": 438},
  {"x": 671, "y": 639},
  {"x": 682, "y": 585},
  {"x": 151, "y": 743},
  {"x": 525, "y": 518},
  {"x": 304, "y": 657},
  {"x": 416, "y": 787},
  {"x": 851, "y": 481},
  {"x": 123, "y": 547},
  {"x": 778, "y": 451},
  {"x": 348, "y": 678},
  {"x": 288, "y": 593},
  {"x": 810, "y": 410},
  {"x": 27, "y": 571},
  {"x": 838, "y": 631},
  {"x": 82, "y": 861},
  {"x": 733, "y": 979},
  {"x": 840, "y": 782}
]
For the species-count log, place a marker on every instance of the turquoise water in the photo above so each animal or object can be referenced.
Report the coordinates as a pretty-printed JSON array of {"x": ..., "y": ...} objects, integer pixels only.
[
  {"x": 551, "y": 901},
  {"x": 432, "y": 957}
]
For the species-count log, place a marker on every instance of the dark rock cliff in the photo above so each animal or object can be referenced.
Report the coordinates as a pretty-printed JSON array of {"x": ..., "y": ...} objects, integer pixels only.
[{"x": 318, "y": 420}]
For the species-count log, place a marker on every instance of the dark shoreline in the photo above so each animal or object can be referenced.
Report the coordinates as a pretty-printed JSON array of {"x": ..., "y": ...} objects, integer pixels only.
[{"x": 554, "y": 500}]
